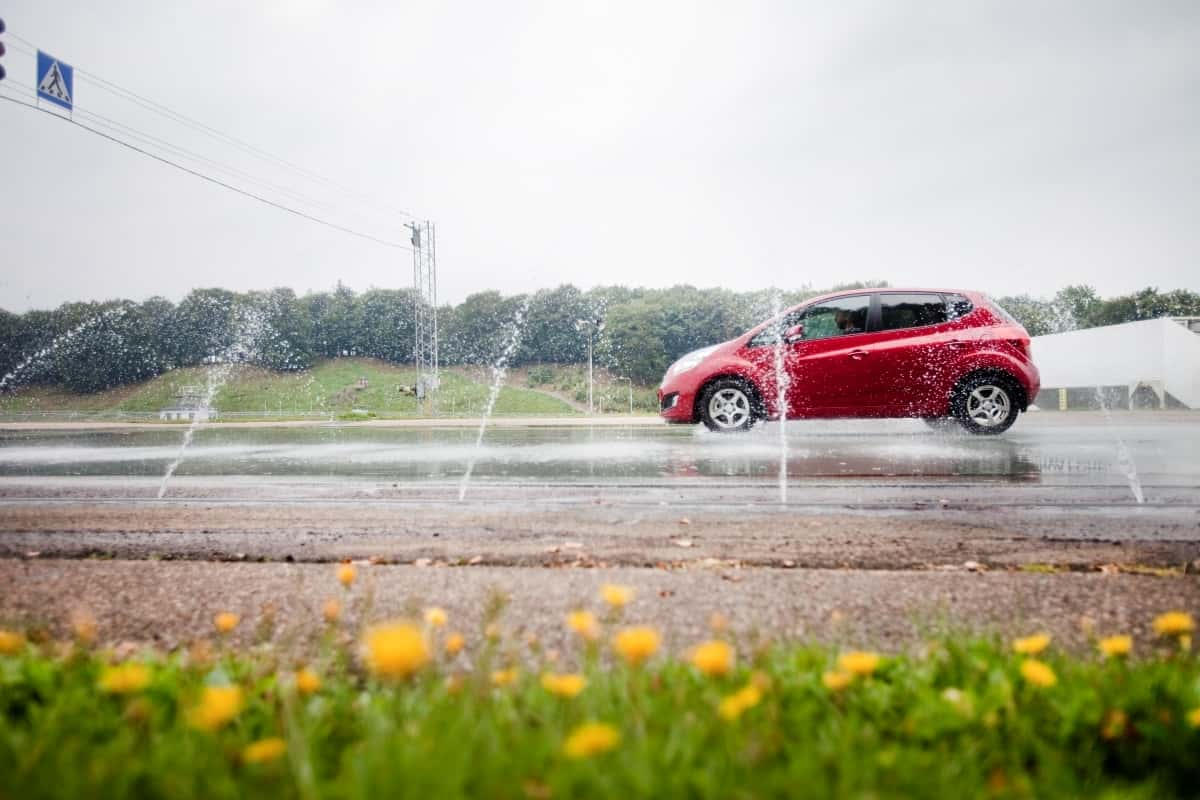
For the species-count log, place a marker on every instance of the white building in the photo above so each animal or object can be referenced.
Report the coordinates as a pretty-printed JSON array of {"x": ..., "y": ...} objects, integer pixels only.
[{"x": 1157, "y": 359}]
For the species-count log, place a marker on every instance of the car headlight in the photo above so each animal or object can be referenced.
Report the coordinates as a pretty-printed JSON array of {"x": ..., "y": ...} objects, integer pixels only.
[{"x": 690, "y": 360}]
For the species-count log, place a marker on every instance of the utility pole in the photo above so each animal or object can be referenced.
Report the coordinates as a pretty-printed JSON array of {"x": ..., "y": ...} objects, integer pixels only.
[
  {"x": 425, "y": 324},
  {"x": 589, "y": 327}
]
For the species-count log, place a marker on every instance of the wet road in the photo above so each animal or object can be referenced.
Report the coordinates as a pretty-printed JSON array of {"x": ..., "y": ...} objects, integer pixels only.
[{"x": 887, "y": 527}]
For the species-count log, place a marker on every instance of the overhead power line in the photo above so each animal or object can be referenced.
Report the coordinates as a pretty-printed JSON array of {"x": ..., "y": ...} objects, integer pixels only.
[
  {"x": 209, "y": 178},
  {"x": 182, "y": 119}
]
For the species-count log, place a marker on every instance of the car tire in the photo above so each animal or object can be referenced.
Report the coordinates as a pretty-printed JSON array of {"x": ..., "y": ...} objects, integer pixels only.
[
  {"x": 729, "y": 405},
  {"x": 985, "y": 403}
]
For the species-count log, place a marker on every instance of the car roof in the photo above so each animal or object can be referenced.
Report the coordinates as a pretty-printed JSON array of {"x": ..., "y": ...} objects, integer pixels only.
[{"x": 888, "y": 289}]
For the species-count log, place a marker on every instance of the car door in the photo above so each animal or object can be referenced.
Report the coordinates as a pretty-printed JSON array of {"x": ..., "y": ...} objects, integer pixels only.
[
  {"x": 913, "y": 351},
  {"x": 829, "y": 365}
]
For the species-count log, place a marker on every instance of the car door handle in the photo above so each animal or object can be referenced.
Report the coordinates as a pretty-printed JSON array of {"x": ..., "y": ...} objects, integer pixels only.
[{"x": 858, "y": 355}]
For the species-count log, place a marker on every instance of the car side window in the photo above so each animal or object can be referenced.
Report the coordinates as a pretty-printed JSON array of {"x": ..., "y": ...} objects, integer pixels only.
[
  {"x": 958, "y": 306},
  {"x": 913, "y": 310},
  {"x": 837, "y": 317},
  {"x": 771, "y": 334}
]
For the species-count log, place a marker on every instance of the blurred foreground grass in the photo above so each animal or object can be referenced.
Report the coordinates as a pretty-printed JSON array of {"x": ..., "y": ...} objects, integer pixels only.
[{"x": 418, "y": 709}]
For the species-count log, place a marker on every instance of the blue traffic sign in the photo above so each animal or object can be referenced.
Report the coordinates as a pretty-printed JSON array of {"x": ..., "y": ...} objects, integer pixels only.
[{"x": 56, "y": 81}]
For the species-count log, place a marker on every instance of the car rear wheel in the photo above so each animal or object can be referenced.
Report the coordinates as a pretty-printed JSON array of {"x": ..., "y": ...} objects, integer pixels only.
[
  {"x": 985, "y": 404},
  {"x": 728, "y": 406}
]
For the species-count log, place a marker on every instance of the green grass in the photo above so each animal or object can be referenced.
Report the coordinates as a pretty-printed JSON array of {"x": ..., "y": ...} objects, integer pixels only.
[
  {"x": 956, "y": 720},
  {"x": 331, "y": 386}
]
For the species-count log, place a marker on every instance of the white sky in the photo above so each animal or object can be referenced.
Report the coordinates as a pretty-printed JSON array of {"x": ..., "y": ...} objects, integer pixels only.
[{"x": 1005, "y": 146}]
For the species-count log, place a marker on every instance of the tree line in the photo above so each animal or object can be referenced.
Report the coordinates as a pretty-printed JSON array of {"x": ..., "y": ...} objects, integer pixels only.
[{"x": 87, "y": 347}]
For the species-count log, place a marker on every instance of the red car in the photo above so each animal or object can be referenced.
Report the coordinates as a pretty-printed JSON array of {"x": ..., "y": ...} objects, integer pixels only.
[{"x": 937, "y": 354}]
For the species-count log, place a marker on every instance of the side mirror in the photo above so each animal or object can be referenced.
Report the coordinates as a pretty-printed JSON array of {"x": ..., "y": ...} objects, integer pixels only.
[{"x": 794, "y": 334}]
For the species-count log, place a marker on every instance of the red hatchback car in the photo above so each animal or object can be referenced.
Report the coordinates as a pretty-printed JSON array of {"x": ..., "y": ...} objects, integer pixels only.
[{"x": 930, "y": 353}]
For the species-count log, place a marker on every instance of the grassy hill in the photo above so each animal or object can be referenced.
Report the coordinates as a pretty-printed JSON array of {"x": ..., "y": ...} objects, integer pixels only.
[{"x": 331, "y": 386}]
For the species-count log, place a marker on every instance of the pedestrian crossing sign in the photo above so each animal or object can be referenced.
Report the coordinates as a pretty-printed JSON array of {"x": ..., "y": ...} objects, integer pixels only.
[{"x": 56, "y": 81}]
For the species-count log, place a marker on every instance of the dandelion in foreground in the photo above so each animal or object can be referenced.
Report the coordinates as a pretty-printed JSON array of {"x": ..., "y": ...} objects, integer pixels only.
[
  {"x": 332, "y": 610},
  {"x": 395, "y": 650},
  {"x": 264, "y": 750},
  {"x": 84, "y": 626},
  {"x": 714, "y": 658},
  {"x": 836, "y": 680},
  {"x": 218, "y": 706},
  {"x": 124, "y": 678},
  {"x": 1116, "y": 646},
  {"x": 435, "y": 617},
  {"x": 1038, "y": 673},
  {"x": 1193, "y": 717},
  {"x": 861, "y": 663},
  {"x": 346, "y": 573},
  {"x": 566, "y": 685},
  {"x": 307, "y": 681},
  {"x": 1031, "y": 645},
  {"x": 11, "y": 642},
  {"x": 505, "y": 677},
  {"x": 1174, "y": 623},
  {"x": 1113, "y": 726},
  {"x": 616, "y": 595},
  {"x": 591, "y": 739},
  {"x": 637, "y": 644},
  {"x": 584, "y": 624},
  {"x": 733, "y": 706},
  {"x": 226, "y": 621},
  {"x": 455, "y": 642}
]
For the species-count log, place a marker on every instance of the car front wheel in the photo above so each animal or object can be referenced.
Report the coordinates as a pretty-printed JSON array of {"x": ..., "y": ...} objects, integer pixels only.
[
  {"x": 728, "y": 406},
  {"x": 985, "y": 404}
]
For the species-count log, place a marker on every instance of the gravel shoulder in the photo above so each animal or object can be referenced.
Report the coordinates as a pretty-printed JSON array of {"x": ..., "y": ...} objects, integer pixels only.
[{"x": 170, "y": 604}]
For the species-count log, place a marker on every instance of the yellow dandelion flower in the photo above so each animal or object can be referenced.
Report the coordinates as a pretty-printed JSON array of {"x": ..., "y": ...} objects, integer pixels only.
[
  {"x": 395, "y": 650},
  {"x": 1115, "y": 646},
  {"x": 591, "y": 739},
  {"x": 435, "y": 617},
  {"x": 218, "y": 706},
  {"x": 307, "y": 681},
  {"x": 84, "y": 626},
  {"x": 836, "y": 680},
  {"x": 1113, "y": 726},
  {"x": 226, "y": 621},
  {"x": 505, "y": 677},
  {"x": 1193, "y": 717},
  {"x": 637, "y": 644},
  {"x": 1174, "y": 623},
  {"x": 124, "y": 678},
  {"x": 1038, "y": 673},
  {"x": 568, "y": 685},
  {"x": 1031, "y": 645},
  {"x": 616, "y": 595},
  {"x": 332, "y": 610},
  {"x": 264, "y": 750},
  {"x": 714, "y": 658},
  {"x": 584, "y": 624},
  {"x": 859, "y": 662},
  {"x": 11, "y": 642},
  {"x": 346, "y": 573},
  {"x": 455, "y": 642},
  {"x": 733, "y": 706}
]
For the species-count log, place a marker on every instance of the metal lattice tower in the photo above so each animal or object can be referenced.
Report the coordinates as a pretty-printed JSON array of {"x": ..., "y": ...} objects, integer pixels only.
[{"x": 425, "y": 349}]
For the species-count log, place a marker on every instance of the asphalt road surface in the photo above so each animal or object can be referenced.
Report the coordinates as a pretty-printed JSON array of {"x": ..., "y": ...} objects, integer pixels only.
[{"x": 884, "y": 527}]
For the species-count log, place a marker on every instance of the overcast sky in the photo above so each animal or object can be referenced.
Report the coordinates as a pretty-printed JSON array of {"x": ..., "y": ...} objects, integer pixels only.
[{"x": 1006, "y": 146}]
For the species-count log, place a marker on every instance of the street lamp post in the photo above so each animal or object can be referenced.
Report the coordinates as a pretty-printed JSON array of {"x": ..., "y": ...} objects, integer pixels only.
[{"x": 589, "y": 327}]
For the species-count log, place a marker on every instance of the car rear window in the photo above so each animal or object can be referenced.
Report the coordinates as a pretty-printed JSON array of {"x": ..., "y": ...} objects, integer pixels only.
[{"x": 910, "y": 310}]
